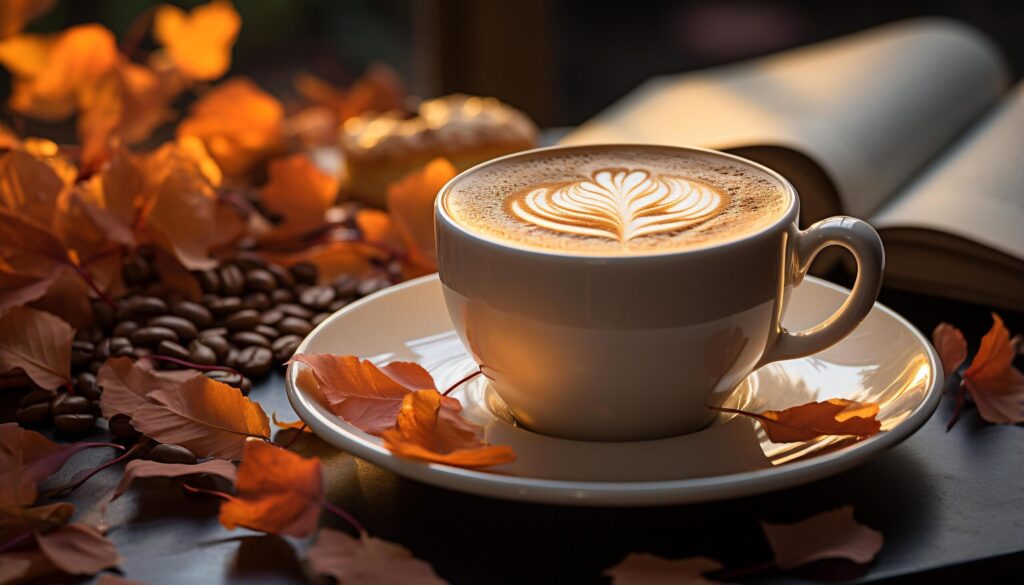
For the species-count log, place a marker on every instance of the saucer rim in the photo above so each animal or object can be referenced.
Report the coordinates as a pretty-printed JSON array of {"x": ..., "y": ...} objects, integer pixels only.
[{"x": 611, "y": 493}]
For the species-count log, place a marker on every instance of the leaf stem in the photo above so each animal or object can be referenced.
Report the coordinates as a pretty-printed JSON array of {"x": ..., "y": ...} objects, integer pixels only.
[
  {"x": 84, "y": 274},
  {"x": 343, "y": 515},
  {"x": 66, "y": 490},
  {"x": 16, "y": 541},
  {"x": 959, "y": 407},
  {"x": 192, "y": 365},
  {"x": 219, "y": 494},
  {"x": 461, "y": 382},
  {"x": 295, "y": 437}
]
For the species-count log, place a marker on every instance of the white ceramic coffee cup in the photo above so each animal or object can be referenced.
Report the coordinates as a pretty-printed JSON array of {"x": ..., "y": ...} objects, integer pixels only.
[{"x": 633, "y": 347}]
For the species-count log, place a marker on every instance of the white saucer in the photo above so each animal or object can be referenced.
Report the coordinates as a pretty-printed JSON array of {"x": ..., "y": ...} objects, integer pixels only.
[{"x": 885, "y": 360}]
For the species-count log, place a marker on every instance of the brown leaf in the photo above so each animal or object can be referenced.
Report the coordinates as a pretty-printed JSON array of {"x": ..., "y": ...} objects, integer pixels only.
[
  {"x": 333, "y": 259},
  {"x": 429, "y": 427},
  {"x": 367, "y": 561},
  {"x": 836, "y": 416},
  {"x": 276, "y": 491},
  {"x": 32, "y": 260},
  {"x": 647, "y": 569},
  {"x": 16, "y": 521},
  {"x": 78, "y": 549},
  {"x": 112, "y": 579},
  {"x": 15, "y": 14},
  {"x": 949, "y": 342},
  {"x": 830, "y": 535},
  {"x": 367, "y": 397},
  {"x": 38, "y": 343},
  {"x": 142, "y": 469},
  {"x": 199, "y": 42},
  {"x": 996, "y": 387},
  {"x": 29, "y": 186},
  {"x": 411, "y": 203},
  {"x": 298, "y": 192},
  {"x": 27, "y": 458},
  {"x": 126, "y": 384}
]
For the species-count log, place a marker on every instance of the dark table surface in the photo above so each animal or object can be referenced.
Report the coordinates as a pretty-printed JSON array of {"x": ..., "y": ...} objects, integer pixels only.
[{"x": 950, "y": 505}]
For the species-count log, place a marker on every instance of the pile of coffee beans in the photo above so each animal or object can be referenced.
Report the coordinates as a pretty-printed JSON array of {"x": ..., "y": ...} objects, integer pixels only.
[{"x": 250, "y": 319}]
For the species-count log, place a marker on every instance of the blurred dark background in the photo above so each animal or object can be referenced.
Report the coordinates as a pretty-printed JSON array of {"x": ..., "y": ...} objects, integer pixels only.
[{"x": 560, "y": 60}]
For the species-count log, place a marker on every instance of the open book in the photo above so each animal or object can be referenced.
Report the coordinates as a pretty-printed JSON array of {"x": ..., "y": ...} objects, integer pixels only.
[{"x": 910, "y": 126}]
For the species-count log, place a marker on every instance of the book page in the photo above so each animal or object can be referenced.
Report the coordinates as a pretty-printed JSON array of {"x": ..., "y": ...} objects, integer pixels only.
[
  {"x": 975, "y": 190},
  {"x": 871, "y": 108}
]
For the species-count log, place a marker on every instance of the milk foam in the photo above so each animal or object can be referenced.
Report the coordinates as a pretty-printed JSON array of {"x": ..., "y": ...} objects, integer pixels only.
[{"x": 602, "y": 201}]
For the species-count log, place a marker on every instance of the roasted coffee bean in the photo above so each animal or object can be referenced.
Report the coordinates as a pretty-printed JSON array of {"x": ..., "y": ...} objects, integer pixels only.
[
  {"x": 141, "y": 308},
  {"x": 217, "y": 343},
  {"x": 232, "y": 280},
  {"x": 119, "y": 343},
  {"x": 184, "y": 328},
  {"x": 81, "y": 353},
  {"x": 304, "y": 272},
  {"x": 293, "y": 310},
  {"x": 266, "y": 331},
  {"x": 124, "y": 351},
  {"x": 259, "y": 301},
  {"x": 136, "y": 270},
  {"x": 231, "y": 359},
  {"x": 318, "y": 318},
  {"x": 102, "y": 351},
  {"x": 294, "y": 326},
  {"x": 153, "y": 335},
  {"x": 282, "y": 277},
  {"x": 96, "y": 408},
  {"x": 317, "y": 297},
  {"x": 172, "y": 349},
  {"x": 121, "y": 427},
  {"x": 74, "y": 424},
  {"x": 233, "y": 379},
  {"x": 195, "y": 313},
  {"x": 214, "y": 331},
  {"x": 34, "y": 407},
  {"x": 372, "y": 285},
  {"x": 209, "y": 281},
  {"x": 282, "y": 295},
  {"x": 284, "y": 347},
  {"x": 199, "y": 353},
  {"x": 255, "y": 361},
  {"x": 94, "y": 366},
  {"x": 92, "y": 333},
  {"x": 247, "y": 260},
  {"x": 85, "y": 386},
  {"x": 125, "y": 329},
  {"x": 172, "y": 454},
  {"x": 249, "y": 338},
  {"x": 106, "y": 316},
  {"x": 65, "y": 403},
  {"x": 243, "y": 320},
  {"x": 346, "y": 285},
  {"x": 338, "y": 305},
  {"x": 141, "y": 352},
  {"x": 224, "y": 306},
  {"x": 271, "y": 317},
  {"x": 258, "y": 280}
]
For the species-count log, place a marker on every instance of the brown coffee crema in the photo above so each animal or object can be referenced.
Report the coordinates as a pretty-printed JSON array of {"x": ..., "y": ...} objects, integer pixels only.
[{"x": 616, "y": 201}]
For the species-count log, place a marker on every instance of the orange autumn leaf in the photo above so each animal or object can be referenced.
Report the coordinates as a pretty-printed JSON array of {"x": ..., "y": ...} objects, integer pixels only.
[
  {"x": 27, "y": 458},
  {"x": 38, "y": 343},
  {"x": 78, "y": 549},
  {"x": 378, "y": 89},
  {"x": 996, "y": 387},
  {"x": 333, "y": 259},
  {"x": 411, "y": 203},
  {"x": 32, "y": 260},
  {"x": 276, "y": 491},
  {"x": 15, "y": 14},
  {"x": 285, "y": 425},
  {"x": 829, "y": 535},
  {"x": 836, "y": 416},
  {"x": 199, "y": 42},
  {"x": 949, "y": 342},
  {"x": 647, "y": 569},
  {"x": 378, "y": 228},
  {"x": 430, "y": 428},
  {"x": 299, "y": 193},
  {"x": 126, "y": 383},
  {"x": 367, "y": 560},
  {"x": 139, "y": 469},
  {"x": 29, "y": 186},
  {"x": 240, "y": 124},
  {"x": 366, "y": 396}
]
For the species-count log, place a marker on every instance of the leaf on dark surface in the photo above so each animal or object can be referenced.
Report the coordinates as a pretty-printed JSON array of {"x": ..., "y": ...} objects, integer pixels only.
[
  {"x": 27, "y": 458},
  {"x": 647, "y": 569},
  {"x": 951, "y": 346},
  {"x": 139, "y": 468},
  {"x": 996, "y": 387},
  {"x": 367, "y": 561},
  {"x": 78, "y": 549},
  {"x": 830, "y": 535},
  {"x": 38, "y": 343},
  {"x": 126, "y": 383}
]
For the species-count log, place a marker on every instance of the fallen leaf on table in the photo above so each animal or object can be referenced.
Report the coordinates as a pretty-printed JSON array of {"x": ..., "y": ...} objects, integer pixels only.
[
  {"x": 143, "y": 469},
  {"x": 27, "y": 458},
  {"x": 299, "y": 193},
  {"x": 38, "y": 343},
  {"x": 78, "y": 549},
  {"x": 996, "y": 387},
  {"x": 276, "y": 491},
  {"x": 836, "y": 416},
  {"x": 112, "y": 579},
  {"x": 366, "y": 396},
  {"x": 15, "y": 520},
  {"x": 411, "y": 204},
  {"x": 949, "y": 342},
  {"x": 286, "y": 425},
  {"x": 830, "y": 535},
  {"x": 430, "y": 428},
  {"x": 199, "y": 42},
  {"x": 126, "y": 383},
  {"x": 647, "y": 569},
  {"x": 367, "y": 561},
  {"x": 15, "y": 14}
]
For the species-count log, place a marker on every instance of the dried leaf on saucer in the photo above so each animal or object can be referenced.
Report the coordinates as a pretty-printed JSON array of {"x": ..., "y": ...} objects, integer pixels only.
[
  {"x": 367, "y": 561},
  {"x": 37, "y": 343},
  {"x": 647, "y": 569},
  {"x": 836, "y": 416},
  {"x": 830, "y": 535}
]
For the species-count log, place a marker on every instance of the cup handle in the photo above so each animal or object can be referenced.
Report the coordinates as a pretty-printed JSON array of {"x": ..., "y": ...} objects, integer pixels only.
[{"x": 863, "y": 242}]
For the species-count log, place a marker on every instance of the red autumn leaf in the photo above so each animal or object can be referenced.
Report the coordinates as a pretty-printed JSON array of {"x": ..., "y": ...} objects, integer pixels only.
[
  {"x": 199, "y": 42},
  {"x": 126, "y": 383},
  {"x": 298, "y": 192},
  {"x": 367, "y": 561},
  {"x": 143, "y": 469},
  {"x": 430, "y": 428},
  {"x": 996, "y": 387},
  {"x": 411, "y": 203},
  {"x": 836, "y": 416},
  {"x": 276, "y": 491},
  {"x": 112, "y": 579},
  {"x": 240, "y": 123},
  {"x": 647, "y": 569},
  {"x": 951, "y": 345},
  {"x": 38, "y": 343},
  {"x": 366, "y": 396},
  {"x": 27, "y": 458},
  {"x": 15, "y": 14},
  {"x": 830, "y": 535},
  {"x": 78, "y": 549}
]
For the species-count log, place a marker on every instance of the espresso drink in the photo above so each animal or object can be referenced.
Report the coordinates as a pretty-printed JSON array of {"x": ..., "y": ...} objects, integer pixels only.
[{"x": 612, "y": 201}]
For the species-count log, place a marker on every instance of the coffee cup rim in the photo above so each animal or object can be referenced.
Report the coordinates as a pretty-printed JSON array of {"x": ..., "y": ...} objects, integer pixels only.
[{"x": 785, "y": 218}]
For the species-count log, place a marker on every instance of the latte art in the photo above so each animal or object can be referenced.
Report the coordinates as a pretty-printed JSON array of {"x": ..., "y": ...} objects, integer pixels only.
[{"x": 619, "y": 204}]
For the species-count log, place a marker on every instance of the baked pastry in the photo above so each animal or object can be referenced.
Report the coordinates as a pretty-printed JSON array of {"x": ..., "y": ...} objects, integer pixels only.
[{"x": 467, "y": 130}]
